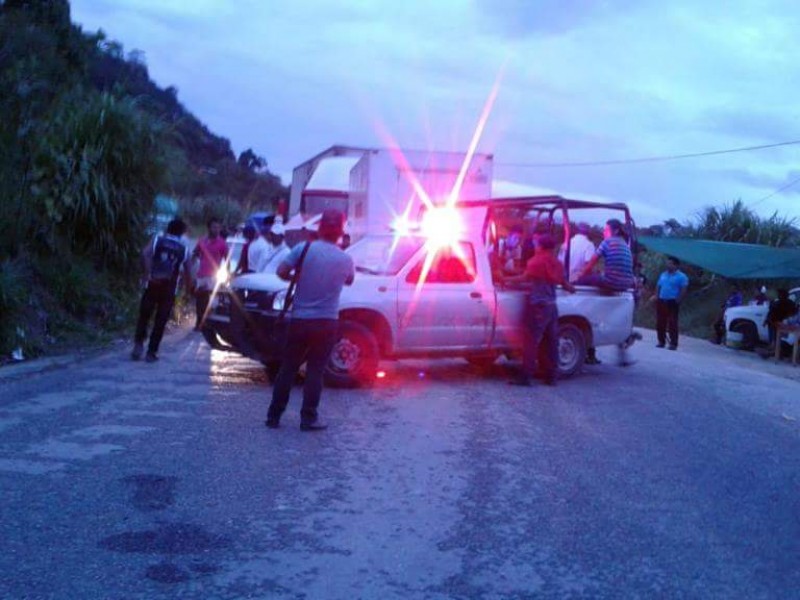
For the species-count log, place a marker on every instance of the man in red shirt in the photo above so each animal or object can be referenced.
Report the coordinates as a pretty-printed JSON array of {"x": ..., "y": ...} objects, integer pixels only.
[
  {"x": 212, "y": 252},
  {"x": 540, "y": 317}
]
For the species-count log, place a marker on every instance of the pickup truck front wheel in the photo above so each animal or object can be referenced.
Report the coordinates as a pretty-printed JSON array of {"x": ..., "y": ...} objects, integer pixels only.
[
  {"x": 749, "y": 334},
  {"x": 571, "y": 349},
  {"x": 354, "y": 359}
]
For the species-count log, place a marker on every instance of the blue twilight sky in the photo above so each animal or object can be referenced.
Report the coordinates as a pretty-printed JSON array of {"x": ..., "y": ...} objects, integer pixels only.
[{"x": 584, "y": 80}]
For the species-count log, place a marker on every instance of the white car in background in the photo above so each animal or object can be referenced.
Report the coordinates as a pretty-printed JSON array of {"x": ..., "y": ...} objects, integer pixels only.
[{"x": 748, "y": 321}]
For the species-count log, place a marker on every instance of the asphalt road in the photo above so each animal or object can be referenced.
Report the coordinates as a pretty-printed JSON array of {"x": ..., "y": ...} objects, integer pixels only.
[{"x": 675, "y": 478}]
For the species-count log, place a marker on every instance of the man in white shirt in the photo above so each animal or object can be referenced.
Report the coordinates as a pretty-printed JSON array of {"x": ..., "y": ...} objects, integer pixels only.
[
  {"x": 278, "y": 250},
  {"x": 581, "y": 251},
  {"x": 260, "y": 249}
]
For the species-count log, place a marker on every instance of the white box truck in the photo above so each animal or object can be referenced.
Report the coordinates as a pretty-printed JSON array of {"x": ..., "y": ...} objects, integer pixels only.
[{"x": 381, "y": 185}]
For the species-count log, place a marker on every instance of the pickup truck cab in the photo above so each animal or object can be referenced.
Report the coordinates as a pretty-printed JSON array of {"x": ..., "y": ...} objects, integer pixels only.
[
  {"x": 748, "y": 321},
  {"x": 434, "y": 293}
]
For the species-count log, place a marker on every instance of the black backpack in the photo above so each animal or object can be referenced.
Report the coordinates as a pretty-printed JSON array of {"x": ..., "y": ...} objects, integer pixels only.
[{"x": 168, "y": 256}]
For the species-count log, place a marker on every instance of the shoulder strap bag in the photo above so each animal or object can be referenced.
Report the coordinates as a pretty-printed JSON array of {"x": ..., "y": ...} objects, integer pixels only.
[{"x": 287, "y": 304}]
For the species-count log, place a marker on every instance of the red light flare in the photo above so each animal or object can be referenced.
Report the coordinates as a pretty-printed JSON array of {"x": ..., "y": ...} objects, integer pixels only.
[
  {"x": 444, "y": 224},
  {"x": 476, "y": 137},
  {"x": 452, "y": 197},
  {"x": 400, "y": 159}
]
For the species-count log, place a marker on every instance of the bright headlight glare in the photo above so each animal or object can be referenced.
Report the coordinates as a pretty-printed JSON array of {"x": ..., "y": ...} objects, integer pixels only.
[{"x": 222, "y": 274}]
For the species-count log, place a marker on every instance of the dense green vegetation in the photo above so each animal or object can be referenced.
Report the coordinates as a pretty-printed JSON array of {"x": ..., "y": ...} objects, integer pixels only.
[{"x": 87, "y": 141}]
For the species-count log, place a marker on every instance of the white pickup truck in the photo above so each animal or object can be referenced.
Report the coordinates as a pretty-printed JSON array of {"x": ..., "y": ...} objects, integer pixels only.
[
  {"x": 460, "y": 309},
  {"x": 748, "y": 321}
]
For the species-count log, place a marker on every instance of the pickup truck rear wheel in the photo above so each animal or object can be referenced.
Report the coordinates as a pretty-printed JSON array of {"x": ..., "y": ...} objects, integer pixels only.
[
  {"x": 571, "y": 349},
  {"x": 749, "y": 334},
  {"x": 354, "y": 359}
]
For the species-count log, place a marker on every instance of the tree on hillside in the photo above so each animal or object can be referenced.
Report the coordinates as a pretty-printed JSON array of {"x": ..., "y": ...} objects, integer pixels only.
[{"x": 249, "y": 160}]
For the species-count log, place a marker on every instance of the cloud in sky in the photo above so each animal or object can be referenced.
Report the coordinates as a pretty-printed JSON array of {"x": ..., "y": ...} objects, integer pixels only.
[{"x": 584, "y": 81}]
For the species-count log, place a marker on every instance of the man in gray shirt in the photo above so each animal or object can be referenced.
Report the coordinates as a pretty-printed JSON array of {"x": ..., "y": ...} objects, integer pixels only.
[{"x": 314, "y": 325}]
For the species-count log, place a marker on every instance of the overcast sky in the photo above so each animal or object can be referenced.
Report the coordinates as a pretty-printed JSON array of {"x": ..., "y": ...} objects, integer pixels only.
[{"x": 584, "y": 80}]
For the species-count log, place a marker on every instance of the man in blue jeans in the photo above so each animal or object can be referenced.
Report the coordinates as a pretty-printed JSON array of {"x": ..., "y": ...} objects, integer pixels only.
[
  {"x": 670, "y": 291},
  {"x": 314, "y": 325}
]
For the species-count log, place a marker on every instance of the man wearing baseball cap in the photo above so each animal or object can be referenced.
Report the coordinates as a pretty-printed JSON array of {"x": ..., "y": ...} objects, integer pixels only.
[
  {"x": 278, "y": 250},
  {"x": 314, "y": 324}
]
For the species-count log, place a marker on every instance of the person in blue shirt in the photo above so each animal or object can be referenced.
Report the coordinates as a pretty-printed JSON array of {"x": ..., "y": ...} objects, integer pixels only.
[
  {"x": 734, "y": 298},
  {"x": 670, "y": 292}
]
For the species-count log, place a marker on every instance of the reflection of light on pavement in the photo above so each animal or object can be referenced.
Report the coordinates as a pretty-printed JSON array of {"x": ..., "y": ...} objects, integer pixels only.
[{"x": 218, "y": 360}]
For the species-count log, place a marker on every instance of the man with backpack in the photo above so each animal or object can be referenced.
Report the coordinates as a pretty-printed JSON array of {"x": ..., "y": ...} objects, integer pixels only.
[
  {"x": 163, "y": 260},
  {"x": 318, "y": 271}
]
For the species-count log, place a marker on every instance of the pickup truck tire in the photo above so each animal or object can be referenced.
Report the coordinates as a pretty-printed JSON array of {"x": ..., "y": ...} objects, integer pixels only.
[
  {"x": 212, "y": 338},
  {"x": 571, "y": 349},
  {"x": 354, "y": 359},
  {"x": 749, "y": 334}
]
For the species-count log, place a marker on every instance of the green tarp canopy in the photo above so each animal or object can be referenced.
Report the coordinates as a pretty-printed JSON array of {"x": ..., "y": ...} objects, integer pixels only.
[{"x": 731, "y": 260}]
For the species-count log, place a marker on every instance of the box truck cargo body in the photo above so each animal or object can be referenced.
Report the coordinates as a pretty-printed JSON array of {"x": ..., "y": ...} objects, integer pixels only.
[{"x": 382, "y": 187}]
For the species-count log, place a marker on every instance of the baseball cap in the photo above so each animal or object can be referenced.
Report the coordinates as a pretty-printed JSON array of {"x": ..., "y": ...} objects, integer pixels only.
[{"x": 331, "y": 220}]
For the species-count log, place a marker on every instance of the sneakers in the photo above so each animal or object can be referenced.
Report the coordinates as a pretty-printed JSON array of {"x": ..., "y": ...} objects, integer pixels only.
[
  {"x": 151, "y": 357},
  {"x": 673, "y": 347},
  {"x": 660, "y": 345},
  {"x": 272, "y": 423},
  {"x": 136, "y": 354}
]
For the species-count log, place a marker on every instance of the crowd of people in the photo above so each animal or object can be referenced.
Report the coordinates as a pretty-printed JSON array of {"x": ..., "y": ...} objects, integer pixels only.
[
  {"x": 544, "y": 271},
  {"x": 313, "y": 328}
]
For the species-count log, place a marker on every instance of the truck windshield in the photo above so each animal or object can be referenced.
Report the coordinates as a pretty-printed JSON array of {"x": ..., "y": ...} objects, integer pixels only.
[{"x": 383, "y": 255}]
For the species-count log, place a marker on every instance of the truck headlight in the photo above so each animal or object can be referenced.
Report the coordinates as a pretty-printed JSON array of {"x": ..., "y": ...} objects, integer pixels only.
[
  {"x": 222, "y": 274},
  {"x": 279, "y": 301}
]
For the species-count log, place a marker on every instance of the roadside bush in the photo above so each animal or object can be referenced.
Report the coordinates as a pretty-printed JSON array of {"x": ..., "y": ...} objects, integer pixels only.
[
  {"x": 96, "y": 174},
  {"x": 14, "y": 292}
]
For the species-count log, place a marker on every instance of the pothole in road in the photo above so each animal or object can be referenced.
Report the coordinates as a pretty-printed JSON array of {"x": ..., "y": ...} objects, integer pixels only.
[
  {"x": 153, "y": 492},
  {"x": 170, "y": 538}
]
